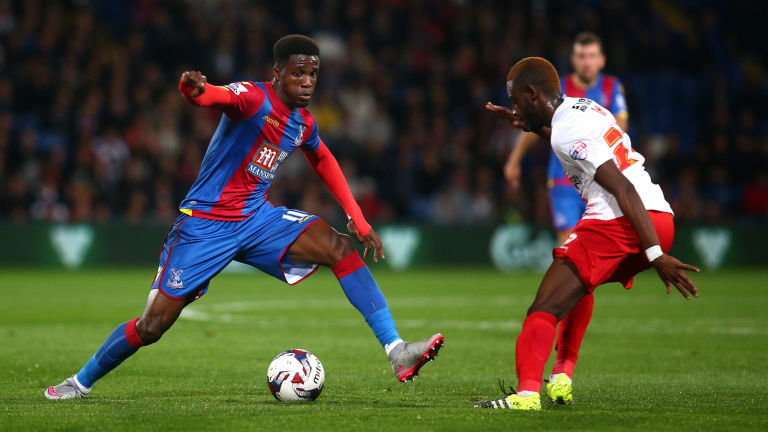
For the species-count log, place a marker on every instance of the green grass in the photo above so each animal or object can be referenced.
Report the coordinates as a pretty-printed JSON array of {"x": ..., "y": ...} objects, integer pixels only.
[{"x": 649, "y": 361}]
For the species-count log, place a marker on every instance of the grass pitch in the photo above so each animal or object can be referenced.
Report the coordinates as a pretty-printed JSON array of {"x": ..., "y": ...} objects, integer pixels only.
[{"x": 649, "y": 361}]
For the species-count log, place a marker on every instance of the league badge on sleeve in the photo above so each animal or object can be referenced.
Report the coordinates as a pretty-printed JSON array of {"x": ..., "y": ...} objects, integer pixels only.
[
  {"x": 578, "y": 150},
  {"x": 237, "y": 87}
]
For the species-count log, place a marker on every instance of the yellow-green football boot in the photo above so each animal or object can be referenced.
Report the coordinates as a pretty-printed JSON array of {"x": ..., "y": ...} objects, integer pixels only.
[
  {"x": 560, "y": 389},
  {"x": 531, "y": 402}
]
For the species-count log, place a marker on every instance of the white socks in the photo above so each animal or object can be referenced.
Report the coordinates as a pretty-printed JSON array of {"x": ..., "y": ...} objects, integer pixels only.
[
  {"x": 82, "y": 388},
  {"x": 553, "y": 376},
  {"x": 388, "y": 347}
]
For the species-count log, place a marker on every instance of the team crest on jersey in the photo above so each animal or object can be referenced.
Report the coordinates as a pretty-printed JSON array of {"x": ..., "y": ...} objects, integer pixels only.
[
  {"x": 174, "y": 281},
  {"x": 237, "y": 87},
  {"x": 267, "y": 159},
  {"x": 578, "y": 150},
  {"x": 300, "y": 136}
]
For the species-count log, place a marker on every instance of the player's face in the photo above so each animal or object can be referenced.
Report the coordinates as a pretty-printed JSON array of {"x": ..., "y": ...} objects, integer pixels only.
[
  {"x": 296, "y": 80},
  {"x": 527, "y": 116},
  {"x": 587, "y": 61}
]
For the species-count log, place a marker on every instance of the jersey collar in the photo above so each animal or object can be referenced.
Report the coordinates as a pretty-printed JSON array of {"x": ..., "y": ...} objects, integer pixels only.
[{"x": 277, "y": 105}]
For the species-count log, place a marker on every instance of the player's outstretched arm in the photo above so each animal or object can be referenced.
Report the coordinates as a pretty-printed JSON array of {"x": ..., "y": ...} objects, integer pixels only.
[
  {"x": 195, "y": 89},
  {"x": 327, "y": 168},
  {"x": 670, "y": 269}
]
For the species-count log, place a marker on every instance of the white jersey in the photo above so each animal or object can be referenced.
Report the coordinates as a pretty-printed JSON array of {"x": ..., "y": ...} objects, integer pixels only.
[{"x": 585, "y": 136}]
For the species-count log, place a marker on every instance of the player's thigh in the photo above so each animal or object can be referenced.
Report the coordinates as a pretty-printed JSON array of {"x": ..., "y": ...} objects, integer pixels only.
[
  {"x": 597, "y": 248},
  {"x": 560, "y": 289},
  {"x": 567, "y": 207},
  {"x": 636, "y": 261},
  {"x": 194, "y": 251},
  {"x": 321, "y": 244},
  {"x": 269, "y": 237}
]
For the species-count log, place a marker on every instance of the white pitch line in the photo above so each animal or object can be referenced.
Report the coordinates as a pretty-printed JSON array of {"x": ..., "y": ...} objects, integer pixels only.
[
  {"x": 238, "y": 313},
  {"x": 341, "y": 303},
  {"x": 194, "y": 315},
  {"x": 611, "y": 328}
]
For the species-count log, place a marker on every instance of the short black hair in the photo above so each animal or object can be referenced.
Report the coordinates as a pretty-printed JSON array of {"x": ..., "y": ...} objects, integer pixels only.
[
  {"x": 293, "y": 44},
  {"x": 588, "y": 38}
]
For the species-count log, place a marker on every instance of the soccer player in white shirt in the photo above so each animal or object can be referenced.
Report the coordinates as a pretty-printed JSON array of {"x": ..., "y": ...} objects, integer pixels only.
[{"x": 627, "y": 227}]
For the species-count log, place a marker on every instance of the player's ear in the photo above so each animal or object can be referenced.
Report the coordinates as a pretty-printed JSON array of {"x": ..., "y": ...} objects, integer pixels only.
[
  {"x": 276, "y": 73},
  {"x": 532, "y": 92}
]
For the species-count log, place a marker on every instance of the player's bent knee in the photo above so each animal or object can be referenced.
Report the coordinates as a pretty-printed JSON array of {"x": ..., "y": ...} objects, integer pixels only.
[
  {"x": 556, "y": 310},
  {"x": 151, "y": 330},
  {"x": 339, "y": 246},
  {"x": 344, "y": 246}
]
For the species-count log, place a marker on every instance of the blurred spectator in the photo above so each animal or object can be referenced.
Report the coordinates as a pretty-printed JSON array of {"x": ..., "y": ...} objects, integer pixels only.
[{"x": 92, "y": 127}]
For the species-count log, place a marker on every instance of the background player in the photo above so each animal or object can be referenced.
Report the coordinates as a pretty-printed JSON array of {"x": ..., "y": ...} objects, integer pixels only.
[
  {"x": 226, "y": 217},
  {"x": 627, "y": 228},
  {"x": 566, "y": 204},
  {"x": 586, "y": 81}
]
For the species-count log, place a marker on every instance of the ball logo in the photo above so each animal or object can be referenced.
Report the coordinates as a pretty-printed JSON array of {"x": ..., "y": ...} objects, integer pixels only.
[
  {"x": 318, "y": 374},
  {"x": 295, "y": 376}
]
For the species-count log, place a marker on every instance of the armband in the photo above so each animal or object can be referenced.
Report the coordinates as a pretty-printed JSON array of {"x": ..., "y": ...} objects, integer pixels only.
[{"x": 653, "y": 252}]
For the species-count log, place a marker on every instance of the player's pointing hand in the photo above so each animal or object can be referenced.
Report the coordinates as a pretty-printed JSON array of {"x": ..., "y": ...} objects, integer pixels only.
[
  {"x": 371, "y": 241},
  {"x": 672, "y": 272},
  {"x": 195, "y": 80},
  {"x": 504, "y": 112}
]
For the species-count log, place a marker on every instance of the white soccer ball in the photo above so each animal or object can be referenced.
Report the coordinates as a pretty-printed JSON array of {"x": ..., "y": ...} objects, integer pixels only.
[{"x": 296, "y": 376}]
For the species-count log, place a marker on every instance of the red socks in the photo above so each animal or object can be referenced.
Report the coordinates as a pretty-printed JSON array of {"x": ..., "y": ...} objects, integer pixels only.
[
  {"x": 132, "y": 335},
  {"x": 533, "y": 348},
  {"x": 535, "y": 343},
  {"x": 570, "y": 332},
  {"x": 348, "y": 265}
]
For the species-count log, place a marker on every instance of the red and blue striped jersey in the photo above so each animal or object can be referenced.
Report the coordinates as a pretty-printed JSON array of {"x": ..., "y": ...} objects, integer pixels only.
[
  {"x": 607, "y": 92},
  {"x": 255, "y": 135}
]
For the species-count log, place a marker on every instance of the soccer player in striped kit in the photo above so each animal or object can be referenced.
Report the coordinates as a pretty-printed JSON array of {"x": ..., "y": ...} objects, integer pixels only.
[
  {"x": 627, "y": 226},
  {"x": 226, "y": 216},
  {"x": 566, "y": 204}
]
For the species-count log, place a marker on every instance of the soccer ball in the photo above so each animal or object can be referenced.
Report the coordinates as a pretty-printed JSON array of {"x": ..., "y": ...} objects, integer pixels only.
[{"x": 296, "y": 376}]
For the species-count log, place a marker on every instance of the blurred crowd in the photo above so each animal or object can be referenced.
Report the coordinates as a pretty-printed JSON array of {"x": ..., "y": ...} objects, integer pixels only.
[{"x": 92, "y": 127}]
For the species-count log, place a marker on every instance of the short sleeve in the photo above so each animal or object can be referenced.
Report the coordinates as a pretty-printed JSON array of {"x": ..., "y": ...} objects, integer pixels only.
[{"x": 618, "y": 101}]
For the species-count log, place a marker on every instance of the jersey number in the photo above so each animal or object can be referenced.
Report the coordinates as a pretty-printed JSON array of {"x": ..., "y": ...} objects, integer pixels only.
[{"x": 622, "y": 153}]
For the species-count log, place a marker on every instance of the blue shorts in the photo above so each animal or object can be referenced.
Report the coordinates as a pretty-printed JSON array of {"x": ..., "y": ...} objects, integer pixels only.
[
  {"x": 567, "y": 207},
  {"x": 197, "y": 249}
]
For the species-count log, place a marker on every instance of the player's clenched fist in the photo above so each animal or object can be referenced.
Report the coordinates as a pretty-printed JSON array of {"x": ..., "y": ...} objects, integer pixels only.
[{"x": 195, "y": 80}]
